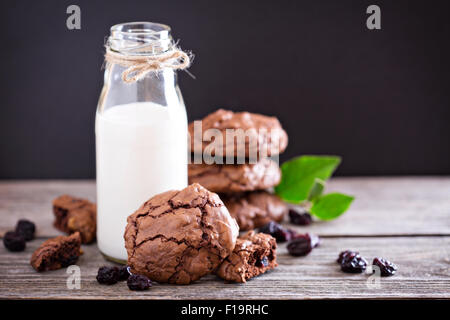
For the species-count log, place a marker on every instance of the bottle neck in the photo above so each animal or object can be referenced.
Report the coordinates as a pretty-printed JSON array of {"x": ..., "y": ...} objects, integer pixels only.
[{"x": 158, "y": 85}]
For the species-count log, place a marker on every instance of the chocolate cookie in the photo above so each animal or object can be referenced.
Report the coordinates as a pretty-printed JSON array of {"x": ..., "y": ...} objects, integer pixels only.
[
  {"x": 262, "y": 133},
  {"x": 253, "y": 255},
  {"x": 74, "y": 214},
  {"x": 255, "y": 209},
  {"x": 56, "y": 253},
  {"x": 229, "y": 178},
  {"x": 180, "y": 236}
]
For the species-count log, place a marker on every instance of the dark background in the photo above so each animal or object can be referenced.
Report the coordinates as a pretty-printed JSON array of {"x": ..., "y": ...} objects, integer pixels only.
[{"x": 378, "y": 98}]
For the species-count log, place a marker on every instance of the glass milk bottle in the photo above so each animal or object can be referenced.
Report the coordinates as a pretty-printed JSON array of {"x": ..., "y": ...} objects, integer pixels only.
[{"x": 141, "y": 127}]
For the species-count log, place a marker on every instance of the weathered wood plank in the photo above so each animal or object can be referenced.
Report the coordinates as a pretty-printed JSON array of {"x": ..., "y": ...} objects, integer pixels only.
[
  {"x": 383, "y": 206},
  {"x": 33, "y": 200},
  {"x": 424, "y": 272}
]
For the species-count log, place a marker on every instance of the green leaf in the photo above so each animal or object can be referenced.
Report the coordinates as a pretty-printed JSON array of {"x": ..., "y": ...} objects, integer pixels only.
[
  {"x": 331, "y": 205},
  {"x": 316, "y": 190},
  {"x": 299, "y": 175}
]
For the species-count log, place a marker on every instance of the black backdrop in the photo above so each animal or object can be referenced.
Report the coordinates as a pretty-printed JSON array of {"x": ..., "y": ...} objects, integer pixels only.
[{"x": 378, "y": 98}]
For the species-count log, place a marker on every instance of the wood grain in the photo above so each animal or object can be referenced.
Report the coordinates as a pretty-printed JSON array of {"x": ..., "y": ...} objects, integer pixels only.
[
  {"x": 423, "y": 262},
  {"x": 383, "y": 206}
]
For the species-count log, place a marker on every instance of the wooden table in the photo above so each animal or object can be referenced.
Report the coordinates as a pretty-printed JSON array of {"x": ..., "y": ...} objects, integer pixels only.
[{"x": 406, "y": 220}]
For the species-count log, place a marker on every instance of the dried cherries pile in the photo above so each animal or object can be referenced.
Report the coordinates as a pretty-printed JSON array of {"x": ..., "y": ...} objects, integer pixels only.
[
  {"x": 352, "y": 262},
  {"x": 112, "y": 275},
  {"x": 16, "y": 240},
  {"x": 298, "y": 244},
  {"x": 302, "y": 244}
]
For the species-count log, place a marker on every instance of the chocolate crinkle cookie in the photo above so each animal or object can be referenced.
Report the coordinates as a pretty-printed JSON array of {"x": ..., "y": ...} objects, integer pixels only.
[
  {"x": 75, "y": 214},
  {"x": 254, "y": 254},
  {"x": 56, "y": 253},
  {"x": 262, "y": 133},
  {"x": 230, "y": 178},
  {"x": 255, "y": 209},
  {"x": 180, "y": 236}
]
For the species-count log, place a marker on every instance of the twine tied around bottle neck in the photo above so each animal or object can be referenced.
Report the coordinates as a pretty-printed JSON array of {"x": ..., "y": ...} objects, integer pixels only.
[{"x": 138, "y": 66}]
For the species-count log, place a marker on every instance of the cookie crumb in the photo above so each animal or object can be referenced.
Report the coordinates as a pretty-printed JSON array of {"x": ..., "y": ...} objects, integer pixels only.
[
  {"x": 56, "y": 253},
  {"x": 75, "y": 214},
  {"x": 254, "y": 254}
]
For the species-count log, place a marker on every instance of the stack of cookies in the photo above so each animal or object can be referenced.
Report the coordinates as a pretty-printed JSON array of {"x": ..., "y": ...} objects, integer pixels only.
[{"x": 242, "y": 187}]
